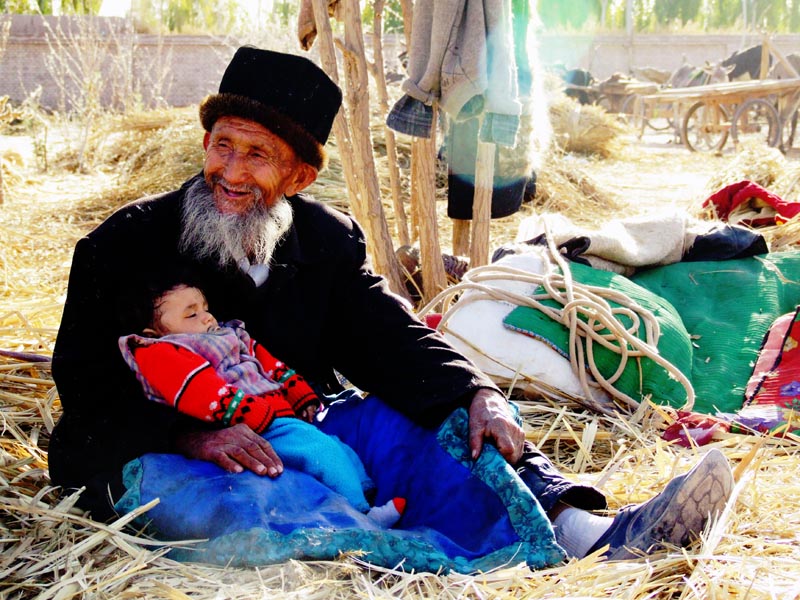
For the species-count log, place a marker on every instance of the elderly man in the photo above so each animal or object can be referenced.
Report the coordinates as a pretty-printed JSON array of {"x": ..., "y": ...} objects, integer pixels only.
[{"x": 297, "y": 273}]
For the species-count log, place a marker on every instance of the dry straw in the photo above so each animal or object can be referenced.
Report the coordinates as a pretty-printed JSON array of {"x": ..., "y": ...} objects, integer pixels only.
[
  {"x": 49, "y": 549},
  {"x": 772, "y": 170}
]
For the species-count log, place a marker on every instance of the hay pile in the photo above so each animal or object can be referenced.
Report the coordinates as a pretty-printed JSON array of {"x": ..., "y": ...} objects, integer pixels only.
[
  {"x": 770, "y": 169},
  {"x": 582, "y": 135},
  {"x": 139, "y": 153},
  {"x": 48, "y": 549},
  {"x": 763, "y": 165},
  {"x": 585, "y": 128}
]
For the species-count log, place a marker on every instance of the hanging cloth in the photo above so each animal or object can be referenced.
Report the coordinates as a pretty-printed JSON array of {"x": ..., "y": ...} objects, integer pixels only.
[
  {"x": 513, "y": 167},
  {"x": 461, "y": 56}
]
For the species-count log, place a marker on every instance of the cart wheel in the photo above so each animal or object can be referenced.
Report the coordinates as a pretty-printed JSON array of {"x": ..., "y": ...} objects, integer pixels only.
[
  {"x": 603, "y": 102},
  {"x": 661, "y": 117},
  {"x": 705, "y": 127},
  {"x": 756, "y": 119},
  {"x": 632, "y": 113},
  {"x": 787, "y": 132}
]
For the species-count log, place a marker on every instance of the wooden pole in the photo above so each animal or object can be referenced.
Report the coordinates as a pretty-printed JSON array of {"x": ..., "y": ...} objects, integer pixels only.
[
  {"x": 482, "y": 204},
  {"x": 407, "y": 7},
  {"x": 764, "y": 57},
  {"x": 379, "y": 74},
  {"x": 423, "y": 196},
  {"x": 461, "y": 231},
  {"x": 340, "y": 127},
  {"x": 780, "y": 58},
  {"x": 353, "y": 137}
]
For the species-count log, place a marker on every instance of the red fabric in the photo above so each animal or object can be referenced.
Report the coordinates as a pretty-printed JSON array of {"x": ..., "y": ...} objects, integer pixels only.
[
  {"x": 432, "y": 320},
  {"x": 297, "y": 391},
  {"x": 187, "y": 382},
  {"x": 769, "y": 357},
  {"x": 726, "y": 200},
  {"x": 694, "y": 429},
  {"x": 776, "y": 376}
]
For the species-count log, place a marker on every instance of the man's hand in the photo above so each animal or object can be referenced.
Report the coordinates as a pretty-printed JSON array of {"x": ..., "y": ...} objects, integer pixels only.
[
  {"x": 234, "y": 449},
  {"x": 490, "y": 419}
]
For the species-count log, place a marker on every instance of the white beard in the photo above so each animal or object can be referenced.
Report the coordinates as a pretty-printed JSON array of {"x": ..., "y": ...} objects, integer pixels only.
[{"x": 227, "y": 238}]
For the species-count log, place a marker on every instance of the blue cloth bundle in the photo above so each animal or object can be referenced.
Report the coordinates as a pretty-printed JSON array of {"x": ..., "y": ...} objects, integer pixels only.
[{"x": 461, "y": 515}]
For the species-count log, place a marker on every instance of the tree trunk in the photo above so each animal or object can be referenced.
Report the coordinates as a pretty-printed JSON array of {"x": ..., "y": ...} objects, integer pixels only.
[
  {"x": 354, "y": 140},
  {"x": 423, "y": 197},
  {"x": 408, "y": 11},
  {"x": 461, "y": 229},
  {"x": 482, "y": 204},
  {"x": 378, "y": 72}
]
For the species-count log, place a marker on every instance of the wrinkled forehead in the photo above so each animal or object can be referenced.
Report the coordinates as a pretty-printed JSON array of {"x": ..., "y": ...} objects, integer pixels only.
[{"x": 250, "y": 133}]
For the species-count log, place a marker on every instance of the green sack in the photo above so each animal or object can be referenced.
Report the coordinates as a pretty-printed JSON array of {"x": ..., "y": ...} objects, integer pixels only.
[
  {"x": 641, "y": 377},
  {"x": 728, "y": 307}
]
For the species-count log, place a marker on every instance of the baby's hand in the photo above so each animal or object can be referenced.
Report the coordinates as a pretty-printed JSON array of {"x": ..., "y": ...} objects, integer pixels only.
[{"x": 309, "y": 413}]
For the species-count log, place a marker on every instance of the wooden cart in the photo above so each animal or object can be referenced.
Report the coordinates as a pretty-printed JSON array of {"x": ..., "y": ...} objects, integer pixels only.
[
  {"x": 613, "y": 94},
  {"x": 705, "y": 117}
]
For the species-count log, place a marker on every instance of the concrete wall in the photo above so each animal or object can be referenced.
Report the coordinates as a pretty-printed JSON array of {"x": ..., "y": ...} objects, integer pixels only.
[{"x": 606, "y": 54}]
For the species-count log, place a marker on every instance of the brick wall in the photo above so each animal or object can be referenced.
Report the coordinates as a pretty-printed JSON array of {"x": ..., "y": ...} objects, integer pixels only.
[
  {"x": 606, "y": 54},
  {"x": 180, "y": 70}
]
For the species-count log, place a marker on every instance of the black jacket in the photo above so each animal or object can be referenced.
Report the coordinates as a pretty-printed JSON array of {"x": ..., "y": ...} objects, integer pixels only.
[{"x": 321, "y": 309}]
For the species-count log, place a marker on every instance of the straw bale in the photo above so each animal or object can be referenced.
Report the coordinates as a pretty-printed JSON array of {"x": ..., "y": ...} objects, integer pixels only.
[
  {"x": 563, "y": 185},
  {"x": 585, "y": 128},
  {"x": 753, "y": 161}
]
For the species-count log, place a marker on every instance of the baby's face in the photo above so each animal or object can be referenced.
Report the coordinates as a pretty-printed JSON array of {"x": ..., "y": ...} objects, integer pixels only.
[{"x": 184, "y": 310}]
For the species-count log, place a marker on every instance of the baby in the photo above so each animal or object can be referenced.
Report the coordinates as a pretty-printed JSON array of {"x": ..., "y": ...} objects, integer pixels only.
[{"x": 217, "y": 373}]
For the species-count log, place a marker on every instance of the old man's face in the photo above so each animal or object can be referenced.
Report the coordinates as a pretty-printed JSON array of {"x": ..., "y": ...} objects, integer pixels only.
[
  {"x": 239, "y": 209},
  {"x": 246, "y": 164}
]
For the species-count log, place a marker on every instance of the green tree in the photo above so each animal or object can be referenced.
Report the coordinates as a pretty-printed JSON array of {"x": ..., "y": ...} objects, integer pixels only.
[
  {"x": 574, "y": 14},
  {"x": 77, "y": 7},
  {"x": 188, "y": 16},
  {"x": 21, "y": 7},
  {"x": 392, "y": 15},
  {"x": 667, "y": 12}
]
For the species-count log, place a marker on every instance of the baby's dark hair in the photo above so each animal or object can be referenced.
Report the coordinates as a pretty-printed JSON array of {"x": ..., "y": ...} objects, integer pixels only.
[{"x": 144, "y": 307}]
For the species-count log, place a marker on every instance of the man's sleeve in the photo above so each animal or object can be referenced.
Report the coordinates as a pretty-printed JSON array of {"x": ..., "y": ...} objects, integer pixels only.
[
  {"x": 106, "y": 419},
  {"x": 385, "y": 349}
]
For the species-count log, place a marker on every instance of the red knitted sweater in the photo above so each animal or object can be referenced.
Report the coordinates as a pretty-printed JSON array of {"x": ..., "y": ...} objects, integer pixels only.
[{"x": 188, "y": 382}]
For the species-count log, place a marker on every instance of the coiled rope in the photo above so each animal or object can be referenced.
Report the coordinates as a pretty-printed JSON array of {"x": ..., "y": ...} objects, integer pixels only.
[{"x": 584, "y": 310}]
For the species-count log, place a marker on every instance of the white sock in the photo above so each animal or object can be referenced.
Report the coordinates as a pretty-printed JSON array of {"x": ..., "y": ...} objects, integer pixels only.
[
  {"x": 388, "y": 514},
  {"x": 578, "y": 530}
]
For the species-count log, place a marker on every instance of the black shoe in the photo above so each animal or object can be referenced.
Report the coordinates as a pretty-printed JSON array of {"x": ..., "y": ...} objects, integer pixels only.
[{"x": 674, "y": 517}]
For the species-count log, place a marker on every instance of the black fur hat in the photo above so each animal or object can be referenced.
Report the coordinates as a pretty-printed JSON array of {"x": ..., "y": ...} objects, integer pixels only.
[{"x": 287, "y": 94}]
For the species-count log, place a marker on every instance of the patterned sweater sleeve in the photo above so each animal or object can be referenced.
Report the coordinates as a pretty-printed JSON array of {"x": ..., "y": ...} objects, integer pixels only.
[
  {"x": 296, "y": 389},
  {"x": 184, "y": 380}
]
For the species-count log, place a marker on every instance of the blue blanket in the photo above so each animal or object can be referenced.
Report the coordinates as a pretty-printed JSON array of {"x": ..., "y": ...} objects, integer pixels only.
[{"x": 461, "y": 515}]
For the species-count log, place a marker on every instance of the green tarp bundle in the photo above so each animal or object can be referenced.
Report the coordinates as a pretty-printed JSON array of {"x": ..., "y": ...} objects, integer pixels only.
[
  {"x": 713, "y": 318},
  {"x": 727, "y": 307},
  {"x": 640, "y": 377}
]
